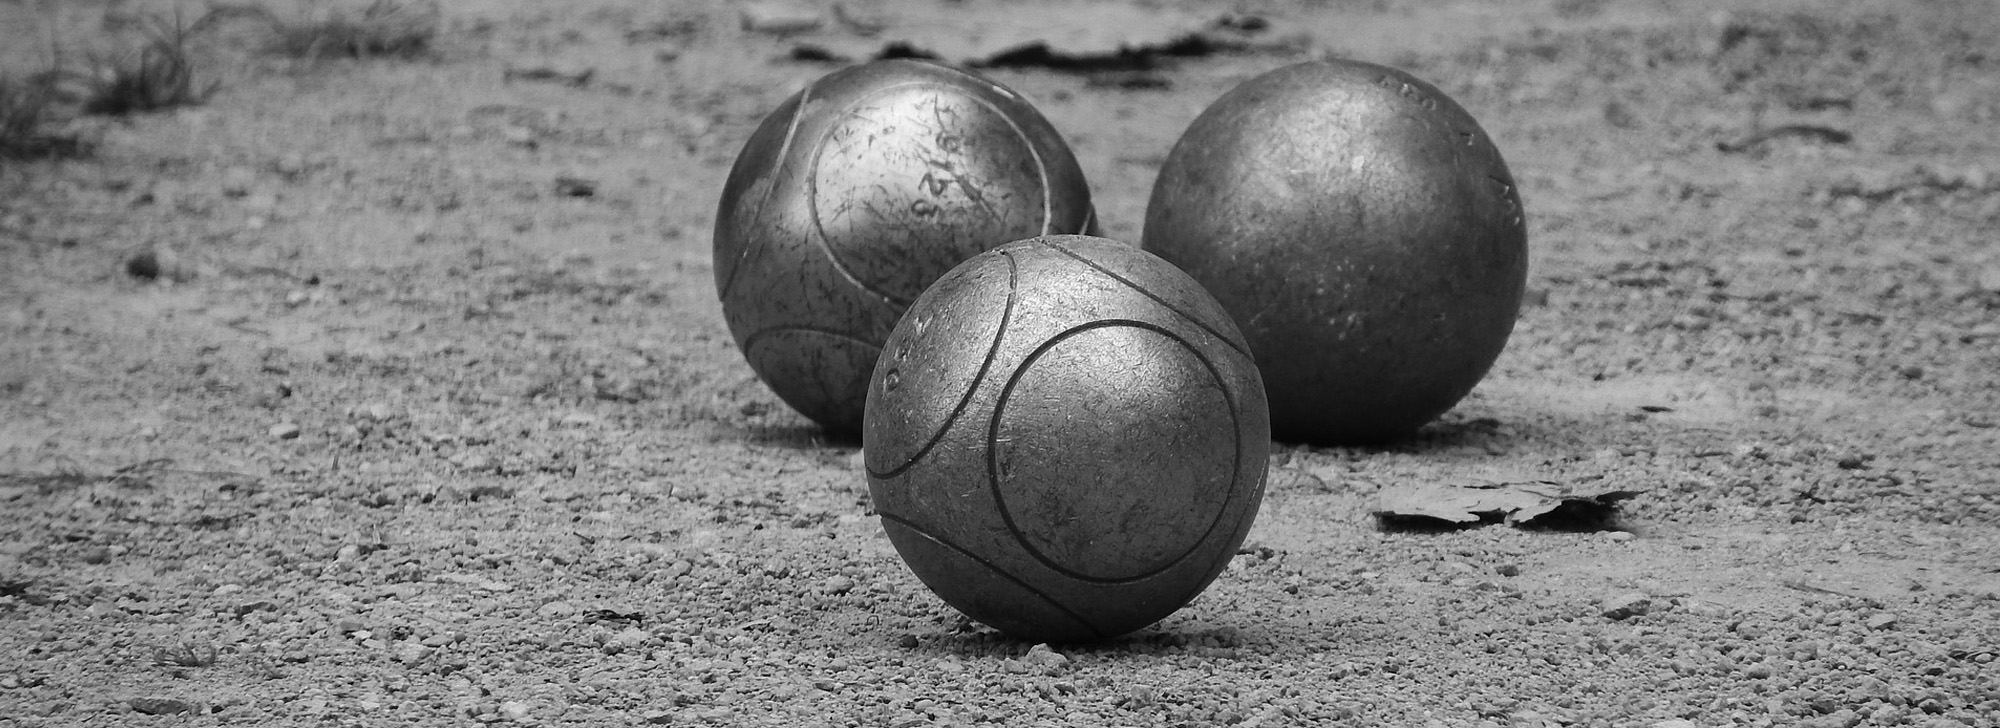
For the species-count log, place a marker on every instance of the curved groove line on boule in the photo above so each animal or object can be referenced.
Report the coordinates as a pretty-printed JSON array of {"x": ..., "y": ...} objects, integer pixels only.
[
  {"x": 1041, "y": 171},
  {"x": 978, "y": 378},
  {"x": 812, "y": 192},
  {"x": 1000, "y": 408},
  {"x": 1203, "y": 325},
  {"x": 761, "y": 333},
  {"x": 812, "y": 205},
  {"x": 784, "y": 150},
  {"x": 990, "y": 566}
]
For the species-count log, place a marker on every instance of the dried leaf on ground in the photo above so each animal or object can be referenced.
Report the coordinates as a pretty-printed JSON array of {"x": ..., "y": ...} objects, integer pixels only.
[{"x": 1517, "y": 500}]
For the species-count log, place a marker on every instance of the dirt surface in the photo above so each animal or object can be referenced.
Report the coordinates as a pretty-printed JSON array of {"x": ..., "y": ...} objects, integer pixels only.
[{"x": 429, "y": 415}]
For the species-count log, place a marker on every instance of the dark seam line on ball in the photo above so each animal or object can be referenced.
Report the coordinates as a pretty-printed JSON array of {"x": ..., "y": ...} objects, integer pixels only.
[
  {"x": 993, "y": 457},
  {"x": 758, "y": 334},
  {"x": 1041, "y": 171},
  {"x": 979, "y": 378},
  {"x": 784, "y": 150},
  {"x": 1236, "y": 430},
  {"x": 819, "y": 226},
  {"x": 979, "y": 197},
  {"x": 1203, "y": 325},
  {"x": 990, "y": 566}
]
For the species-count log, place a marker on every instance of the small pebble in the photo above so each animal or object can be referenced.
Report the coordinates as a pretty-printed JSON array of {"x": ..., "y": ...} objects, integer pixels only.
[
  {"x": 410, "y": 653},
  {"x": 1626, "y": 606},
  {"x": 291, "y": 165},
  {"x": 576, "y": 187},
  {"x": 285, "y": 431},
  {"x": 161, "y": 706},
  {"x": 238, "y": 181},
  {"x": 515, "y": 710},
  {"x": 1044, "y": 659},
  {"x": 377, "y": 411},
  {"x": 143, "y": 265},
  {"x": 1881, "y": 622},
  {"x": 779, "y": 18}
]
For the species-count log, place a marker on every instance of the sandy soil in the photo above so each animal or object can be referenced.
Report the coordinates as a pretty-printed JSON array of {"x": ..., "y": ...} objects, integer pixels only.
[{"x": 430, "y": 415}]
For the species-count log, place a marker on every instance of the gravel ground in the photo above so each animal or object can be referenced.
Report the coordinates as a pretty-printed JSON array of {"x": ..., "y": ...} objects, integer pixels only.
[{"x": 427, "y": 413}]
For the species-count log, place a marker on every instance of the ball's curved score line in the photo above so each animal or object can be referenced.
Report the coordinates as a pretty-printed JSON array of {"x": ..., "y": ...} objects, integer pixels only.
[
  {"x": 818, "y": 155},
  {"x": 770, "y": 187},
  {"x": 995, "y": 477},
  {"x": 985, "y": 365}
]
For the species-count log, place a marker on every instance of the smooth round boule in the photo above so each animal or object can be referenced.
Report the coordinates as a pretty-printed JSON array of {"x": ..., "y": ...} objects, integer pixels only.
[
  {"x": 1066, "y": 438},
  {"x": 857, "y": 193},
  {"x": 1364, "y": 232}
]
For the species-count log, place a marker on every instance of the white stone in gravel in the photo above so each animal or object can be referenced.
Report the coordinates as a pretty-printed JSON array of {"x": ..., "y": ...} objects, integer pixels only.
[
  {"x": 515, "y": 710},
  {"x": 632, "y": 637},
  {"x": 285, "y": 431},
  {"x": 556, "y": 609},
  {"x": 1881, "y": 621},
  {"x": 410, "y": 652},
  {"x": 1045, "y": 660}
]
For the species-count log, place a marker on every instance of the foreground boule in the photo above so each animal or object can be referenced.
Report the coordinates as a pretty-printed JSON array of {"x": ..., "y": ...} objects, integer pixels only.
[{"x": 1066, "y": 439}]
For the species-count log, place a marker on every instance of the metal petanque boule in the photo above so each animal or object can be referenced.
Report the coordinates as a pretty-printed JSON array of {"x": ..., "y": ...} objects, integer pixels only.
[
  {"x": 1364, "y": 232},
  {"x": 858, "y": 192}
]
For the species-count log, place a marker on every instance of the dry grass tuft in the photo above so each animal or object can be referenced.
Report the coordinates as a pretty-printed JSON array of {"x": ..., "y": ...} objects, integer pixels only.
[
  {"x": 383, "y": 29},
  {"x": 159, "y": 75},
  {"x": 26, "y": 108}
]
